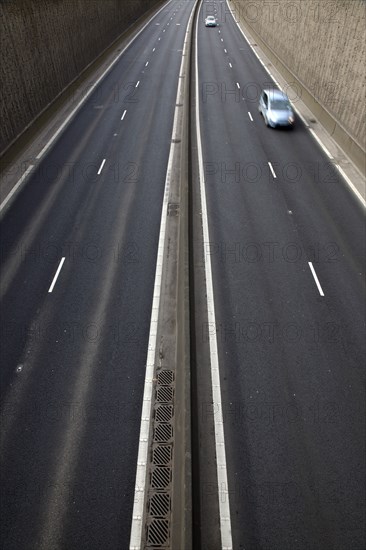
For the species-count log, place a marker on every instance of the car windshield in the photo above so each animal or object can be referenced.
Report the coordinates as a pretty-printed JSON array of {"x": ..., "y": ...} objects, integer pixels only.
[
  {"x": 211, "y": 18},
  {"x": 280, "y": 104}
]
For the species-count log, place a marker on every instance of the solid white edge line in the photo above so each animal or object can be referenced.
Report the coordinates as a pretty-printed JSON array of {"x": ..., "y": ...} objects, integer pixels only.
[
  {"x": 124, "y": 114},
  {"x": 224, "y": 505},
  {"x": 101, "y": 167},
  {"x": 91, "y": 89},
  {"x": 143, "y": 450},
  {"x": 250, "y": 116},
  {"x": 348, "y": 181},
  {"x": 306, "y": 124},
  {"x": 316, "y": 279},
  {"x": 16, "y": 187},
  {"x": 321, "y": 144},
  {"x": 56, "y": 274},
  {"x": 273, "y": 172}
]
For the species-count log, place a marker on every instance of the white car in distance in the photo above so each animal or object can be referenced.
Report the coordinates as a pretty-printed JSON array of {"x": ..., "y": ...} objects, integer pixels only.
[{"x": 210, "y": 21}]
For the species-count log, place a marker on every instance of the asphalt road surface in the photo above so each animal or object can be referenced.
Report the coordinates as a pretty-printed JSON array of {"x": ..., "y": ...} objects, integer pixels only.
[
  {"x": 74, "y": 353},
  {"x": 290, "y": 335},
  {"x": 78, "y": 258}
]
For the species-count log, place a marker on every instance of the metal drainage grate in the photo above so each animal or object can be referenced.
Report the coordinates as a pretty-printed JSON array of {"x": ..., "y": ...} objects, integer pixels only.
[
  {"x": 159, "y": 504},
  {"x": 162, "y": 455},
  {"x": 158, "y": 532},
  {"x": 159, "y": 500},
  {"x": 162, "y": 433},
  {"x": 160, "y": 478},
  {"x": 164, "y": 413},
  {"x": 164, "y": 394},
  {"x": 165, "y": 377}
]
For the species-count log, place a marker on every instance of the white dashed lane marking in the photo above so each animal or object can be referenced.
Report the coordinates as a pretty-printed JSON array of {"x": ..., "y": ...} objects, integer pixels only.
[
  {"x": 316, "y": 279},
  {"x": 273, "y": 172},
  {"x": 56, "y": 275},
  {"x": 101, "y": 167}
]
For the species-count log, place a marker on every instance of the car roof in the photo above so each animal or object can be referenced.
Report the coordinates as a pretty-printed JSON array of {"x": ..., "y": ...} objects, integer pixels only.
[{"x": 276, "y": 94}]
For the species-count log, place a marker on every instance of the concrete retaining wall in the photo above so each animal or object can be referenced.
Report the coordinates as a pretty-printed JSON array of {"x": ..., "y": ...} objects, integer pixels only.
[{"x": 45, "y": 44}]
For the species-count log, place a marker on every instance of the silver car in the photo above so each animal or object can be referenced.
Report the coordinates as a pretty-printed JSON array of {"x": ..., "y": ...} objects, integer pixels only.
[
  {"x": 276, "y": 108},
  {"x": 210, "y": 21}
]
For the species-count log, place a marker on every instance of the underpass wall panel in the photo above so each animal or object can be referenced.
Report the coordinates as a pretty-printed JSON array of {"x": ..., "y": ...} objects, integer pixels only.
[{"x": 45, "y": 44}]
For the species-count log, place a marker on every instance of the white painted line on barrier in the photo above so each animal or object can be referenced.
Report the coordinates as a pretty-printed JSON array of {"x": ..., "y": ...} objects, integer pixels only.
[
  {"x": 316, "y": 279},
  {"x": 56, "y": 275},
  {"x": 224, "y": 494},
  {"x": 101, "y": 167},
  {"x": 16, "y": 187},
  {"x": 273, "y": 172}
]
